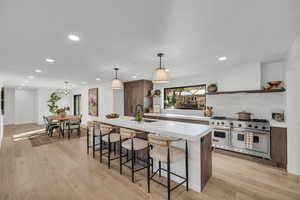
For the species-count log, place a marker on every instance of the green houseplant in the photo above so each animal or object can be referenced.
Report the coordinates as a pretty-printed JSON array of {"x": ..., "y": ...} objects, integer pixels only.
[
  {"x": 54, "y": 98},
  {"x": 212, "y": 88}
]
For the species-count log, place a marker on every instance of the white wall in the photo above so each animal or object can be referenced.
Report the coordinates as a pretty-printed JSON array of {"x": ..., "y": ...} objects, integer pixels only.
[
  {"x": 9, "y": 106},
  {"x": 293, "y": 107},
  {"x": 105, "y": 101},
  {"x": 25, "y": 106},
  {"x": 118, "y": 97}
]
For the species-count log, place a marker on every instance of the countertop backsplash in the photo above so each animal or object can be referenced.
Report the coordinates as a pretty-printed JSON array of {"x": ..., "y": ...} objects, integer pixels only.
[{"x": 260, "y": 105}]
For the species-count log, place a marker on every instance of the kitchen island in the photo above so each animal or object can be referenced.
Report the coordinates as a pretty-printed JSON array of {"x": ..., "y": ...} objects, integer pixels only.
[{"x": 199, "y": 143}]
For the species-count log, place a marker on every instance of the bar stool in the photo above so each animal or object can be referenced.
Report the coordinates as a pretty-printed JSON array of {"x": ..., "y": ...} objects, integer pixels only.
[
  {"x": 108, "y": 136},
  {"x": 91, "y": 137},
  {"x": 130, "y": 142},
  {"x": 159, "y": 148}
]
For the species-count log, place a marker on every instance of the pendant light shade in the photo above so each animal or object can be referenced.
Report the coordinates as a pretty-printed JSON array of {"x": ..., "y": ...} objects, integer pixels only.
[
  {"x": 160, "y": 75},
  {"x": 116, "y": 83}
]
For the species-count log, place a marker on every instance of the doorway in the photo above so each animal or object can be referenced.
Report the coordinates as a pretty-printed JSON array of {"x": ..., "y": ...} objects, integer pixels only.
[{"x": 77, "y": 104}]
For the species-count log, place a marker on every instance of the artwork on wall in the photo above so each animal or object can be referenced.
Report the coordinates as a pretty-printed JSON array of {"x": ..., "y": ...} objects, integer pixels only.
[{"x": 93, "y": 101}]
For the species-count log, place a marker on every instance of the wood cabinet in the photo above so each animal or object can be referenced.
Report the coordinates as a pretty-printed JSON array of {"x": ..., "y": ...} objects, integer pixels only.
[
  {"x": 279, "y": 146},
  {"x": 137, "y": 92}
]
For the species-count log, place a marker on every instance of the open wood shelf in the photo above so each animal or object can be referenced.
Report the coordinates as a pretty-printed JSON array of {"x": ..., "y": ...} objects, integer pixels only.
[{"x": 247, "y": 91}]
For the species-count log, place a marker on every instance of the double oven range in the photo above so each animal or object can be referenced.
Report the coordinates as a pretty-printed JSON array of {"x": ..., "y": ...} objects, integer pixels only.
[{"x": 250, "y": 137}]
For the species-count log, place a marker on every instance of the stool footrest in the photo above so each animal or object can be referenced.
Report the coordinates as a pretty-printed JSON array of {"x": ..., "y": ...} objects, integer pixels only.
[{"x": 176, "y": 186}]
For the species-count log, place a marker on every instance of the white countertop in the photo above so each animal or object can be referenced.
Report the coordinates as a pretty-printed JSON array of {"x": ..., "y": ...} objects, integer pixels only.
[
  {"x": 274, "y": 123},
  {"x": 179, "y": 116},
  {"x": 167, "y": 128}
]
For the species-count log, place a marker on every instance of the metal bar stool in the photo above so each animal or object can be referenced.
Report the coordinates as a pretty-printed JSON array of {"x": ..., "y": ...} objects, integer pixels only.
[
  {"x": 109, "y": 136},
  {"x": 159, "y": 148},
  {"x": 91, "y": 137},
  {"x": 130, "y": 142}
]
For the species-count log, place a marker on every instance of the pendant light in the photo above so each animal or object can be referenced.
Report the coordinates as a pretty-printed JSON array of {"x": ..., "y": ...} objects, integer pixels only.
[
  {"x": 66, "y": 91},
  {"x": 161, "y": 75},
  {"x": 116, "y": 83}
]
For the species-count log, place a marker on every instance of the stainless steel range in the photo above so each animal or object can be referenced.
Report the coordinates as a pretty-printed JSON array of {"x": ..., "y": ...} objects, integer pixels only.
[{"x": 250, "y": 137}]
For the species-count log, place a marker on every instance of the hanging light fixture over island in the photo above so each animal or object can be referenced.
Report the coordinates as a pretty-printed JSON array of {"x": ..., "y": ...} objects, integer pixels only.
[
  {"x": 161, "y": 75},
  {"x": 116, "y": 83}
]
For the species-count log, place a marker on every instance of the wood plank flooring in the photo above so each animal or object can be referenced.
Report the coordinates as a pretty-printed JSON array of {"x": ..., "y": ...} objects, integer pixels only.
[{"x": 63, "y": 170}]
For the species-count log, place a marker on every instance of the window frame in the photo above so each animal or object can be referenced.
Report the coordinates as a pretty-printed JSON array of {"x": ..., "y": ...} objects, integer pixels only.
[{"x": 200, "y": 85}]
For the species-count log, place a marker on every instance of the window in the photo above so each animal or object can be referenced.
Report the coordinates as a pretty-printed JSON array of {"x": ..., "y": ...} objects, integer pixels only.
[{"x": 187, "y": 97}]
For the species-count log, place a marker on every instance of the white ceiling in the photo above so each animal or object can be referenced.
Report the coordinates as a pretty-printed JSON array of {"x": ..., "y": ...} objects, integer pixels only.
[{"x": 128, "y": 34}]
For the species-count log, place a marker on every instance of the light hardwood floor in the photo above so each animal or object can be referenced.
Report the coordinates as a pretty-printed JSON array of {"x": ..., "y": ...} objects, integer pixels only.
[{"x": 63, "y": 170}]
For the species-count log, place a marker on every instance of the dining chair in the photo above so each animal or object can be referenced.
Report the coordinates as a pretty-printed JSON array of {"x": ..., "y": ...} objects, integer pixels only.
[
  {"x": 50, "y": 126},
  {"x": 74, "y": 124}
]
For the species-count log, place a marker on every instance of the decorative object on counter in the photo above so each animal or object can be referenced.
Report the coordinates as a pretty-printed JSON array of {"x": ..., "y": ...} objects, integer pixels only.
[
  {"x": 54, "y": 98},
  {"x": 93, "y": 101},
  {"x": 278, "y": 116},
  {"x": 156, "y": 92},
  {"x": 211, "y": 88},
  {"x": 62, "y": 111},
  {"x": 244, "y": 115},
  {"x": 112, "y": 116},
  {"x": 161, "y": 75},
  {"x": 209, "y": 111},
  {"x": 138, "y": 117},
  {"x": 271, "y": 85},
  {"x": 116, "y": 83}
]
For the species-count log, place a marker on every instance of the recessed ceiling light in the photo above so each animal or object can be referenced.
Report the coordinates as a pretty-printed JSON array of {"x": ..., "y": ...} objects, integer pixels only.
[
  {"x": 38, "y": 70},
  {"x": 83, "y": 82},
  {"x": 167, "y": 70},
  {"x": 30, "y": 77},
  {"x": 98, "y": 79},
  {"x": 133, "y": 76},
  {"x": 26, "y": 81},
  {"x": 74, "y": 38},
  {"x": 50, "y": 60},
  {"x": 222, "y": 58}
]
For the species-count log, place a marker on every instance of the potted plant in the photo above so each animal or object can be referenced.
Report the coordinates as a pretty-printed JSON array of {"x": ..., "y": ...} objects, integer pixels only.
[
  {"x": 212, "y": 88},
  {"x": 54, "y": 98},
  {"x": 138, "y": 117}
]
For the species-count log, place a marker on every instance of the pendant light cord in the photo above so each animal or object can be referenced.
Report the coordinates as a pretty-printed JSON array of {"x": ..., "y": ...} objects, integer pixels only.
[
  {"x": 116, "y": 72},
  {"x": 160, "y": 55}
]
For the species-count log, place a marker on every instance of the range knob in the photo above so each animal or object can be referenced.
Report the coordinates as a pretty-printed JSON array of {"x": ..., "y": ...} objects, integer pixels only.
[
  {"x": 222, "y": 123},
  {"x": 231, "y": 124},
  {"x": 250, "y": 125},
  {"x": 240, "y": 125},
  {"x": 218, "y": 123},
  {"x": 263, "y": 127},
  {"x": 212, "y": 122},
  {"x": 255, "y": 126}
]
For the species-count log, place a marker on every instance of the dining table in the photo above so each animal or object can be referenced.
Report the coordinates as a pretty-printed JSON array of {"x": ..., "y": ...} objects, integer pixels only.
[{"x": 61, "y": 121}]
